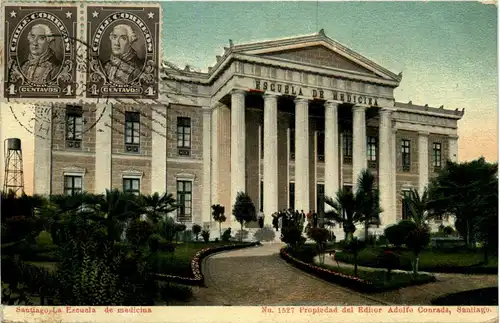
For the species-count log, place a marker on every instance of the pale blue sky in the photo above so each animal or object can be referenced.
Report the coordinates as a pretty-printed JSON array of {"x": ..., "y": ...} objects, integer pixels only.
[{"x": 446, "y": 50}]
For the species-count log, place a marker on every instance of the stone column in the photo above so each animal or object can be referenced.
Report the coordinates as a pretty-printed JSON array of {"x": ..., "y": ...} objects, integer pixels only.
[
  {"x": 103, "y": 156},
  {"x": 215, "y": 157},
  {"x": 270, "y": 156},
  {"x": 302, "y": 155},
  {"x": 238, "y": 183},
  {"x": 359, "y": 158},
  {"x": 332, "y": 176},
  {"x": 159, "y": 150},
  {"x": 395, "y": 193},
  {"x": 42, "y": 171},
  {"x": 453, "y": 148},
  {"x": 423, "y": 161},
  {"x": 206, "y": 209},
  {"x": 386, "y": 168}
]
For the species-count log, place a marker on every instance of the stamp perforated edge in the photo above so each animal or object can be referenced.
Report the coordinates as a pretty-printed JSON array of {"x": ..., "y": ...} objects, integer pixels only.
[{"x": 82, "y": 19}]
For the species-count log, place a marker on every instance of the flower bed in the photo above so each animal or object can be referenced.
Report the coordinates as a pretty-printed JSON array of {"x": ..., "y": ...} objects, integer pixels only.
[
  {"x": 369, "y": 281},
  {"x": 329, "y": 275},
  {"x": 198, "y": 279}
]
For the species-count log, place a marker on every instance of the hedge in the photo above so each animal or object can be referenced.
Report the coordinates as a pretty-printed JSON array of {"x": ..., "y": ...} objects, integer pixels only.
[{"x": 198, "y": 279}]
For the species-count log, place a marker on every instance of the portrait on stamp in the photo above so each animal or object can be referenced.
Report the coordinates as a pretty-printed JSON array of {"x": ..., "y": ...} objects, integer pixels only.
[
  {"x": 40, "y": 52},
  {"x": 123, "y": 52}
]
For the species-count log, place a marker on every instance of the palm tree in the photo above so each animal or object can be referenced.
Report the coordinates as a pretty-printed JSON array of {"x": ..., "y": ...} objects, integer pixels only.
[
  {"x": 343, "y": 211},
  {"x": 367, "y": 200},
  {"x": 157, "y": 206},
  {"x": 420, "y": 213}
]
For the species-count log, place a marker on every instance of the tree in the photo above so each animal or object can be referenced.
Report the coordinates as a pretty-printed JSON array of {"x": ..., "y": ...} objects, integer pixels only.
[
  {"x": 244, "y": 209},
  {"x": 218, "y": 216},
  {"x": 367, "y": 200},
  {"x": 157, "y": 206},
  {"x": 196, "y": 230},
  {"x": 320, "y": 236},
  {"x": 457, "y": 190},
  {"x": 343, "y": 211},
  {"x": 354, "y": 247},
  {"x": 418, "y": 236}
]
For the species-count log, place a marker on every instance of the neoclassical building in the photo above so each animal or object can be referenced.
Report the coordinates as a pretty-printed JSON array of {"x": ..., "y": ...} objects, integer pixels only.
[{"x": 288, "y": 121}]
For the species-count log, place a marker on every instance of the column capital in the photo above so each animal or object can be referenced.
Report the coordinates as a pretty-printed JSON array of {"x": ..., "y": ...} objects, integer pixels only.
[
  {"x": 238, "y": 92},
  {"x": 332, "y": 103},
  {"x": 360, "y": 108},
  {"x": 301, "y": 100},
  {"x": 453, "y": 137},
  {"x": 423, "y": 133},
  {"x": 216, "y": 104},
  {"x": 270, "y": 96},
  {"x": 386, "y": 110},
  {"x": 207, "y": 110}
]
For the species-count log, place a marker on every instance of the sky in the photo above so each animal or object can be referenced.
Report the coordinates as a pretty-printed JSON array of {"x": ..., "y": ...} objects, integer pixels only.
[{"x": 447, "y": 51}]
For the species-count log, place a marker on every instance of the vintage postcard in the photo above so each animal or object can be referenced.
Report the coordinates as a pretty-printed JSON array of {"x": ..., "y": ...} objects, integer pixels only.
[{"x": 249, "y": 161}]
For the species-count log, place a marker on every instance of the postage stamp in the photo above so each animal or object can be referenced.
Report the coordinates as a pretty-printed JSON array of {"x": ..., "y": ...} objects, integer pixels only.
[
  {"x": 39, "y": 52},
  {"x": 123, "y": 52}
]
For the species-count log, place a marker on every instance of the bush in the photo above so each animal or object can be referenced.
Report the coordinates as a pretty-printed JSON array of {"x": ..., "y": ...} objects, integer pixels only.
[
  {"x": 226, "y": 235},
  {"x": 396, "y": 234},
  {"x": 196, "y": 230},
  {"x": 154, "y": 242},
  {"x": 265, "y": 234},
  {"x": 138, "y": 232},
  {"x": 261, "y": 222},
  {"x": 20, "y": 227},
  {"x": 382, "y": 240},
  {"x": 389, "y": 260},
  {"x": 187, "y": 236},
  {"x": 206, "y": 235},
  {"x": 241, "y": 235},
  {"x": 44, "y": 238},
  {"x": 448, "y": 230},
  {"x": 166, "y": 246}
]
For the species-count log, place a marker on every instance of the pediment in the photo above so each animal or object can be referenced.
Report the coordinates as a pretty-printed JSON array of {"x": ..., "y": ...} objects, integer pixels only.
[
  {"x": 317, "y": 50},
  {"x": 321, "y": 56}
]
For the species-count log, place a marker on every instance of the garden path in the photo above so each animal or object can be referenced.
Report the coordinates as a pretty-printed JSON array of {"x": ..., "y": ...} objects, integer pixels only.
[
  {"x": 423, "y": 294},
  {"x": 258, "y": 276}
]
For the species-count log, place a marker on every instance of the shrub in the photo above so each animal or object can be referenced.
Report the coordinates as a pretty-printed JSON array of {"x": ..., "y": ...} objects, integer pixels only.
[
  {"x": 382, "y": 240},
  {"x": 396, "y": 234},
  {"x": 448, "y": 230},
  {"x": 196, "y": 230},
  {"x": 241, "y": 235},
  {"x": 216, "y": 239},
  {"x": 187, "y": 235},
  {"x": 138, "y": 232},
  {"x": 44, "y": 238},
  {"x": 265, "y": 234},
  {"x": 389, "y": 260},
  {"x": 154, "y": 242},
  {"x": 292, "y": 236},
  {"x": 20, "y": 227},
  {"x": 206, "y": 235},
  {"x": 226, "y": 235},
  {"x": 166, "y": 246},
  {"x": 261, "y": 222}
]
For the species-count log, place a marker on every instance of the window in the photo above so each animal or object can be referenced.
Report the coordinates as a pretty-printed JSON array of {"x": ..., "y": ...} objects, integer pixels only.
[
  {"x": 73, "y": 185},
  {"x": 132, "y": 131},
  {"x": 405, "y": 153},
  {"x": 292, "y": 143},
  {"x": 132, "y": 186},
  {"x": 74, "y": 126},
  {"x": 406, "y": 207},
  {"x": 291, "y": 196},
  {"x": 184, "y": 136},
  {"x": 320, "y": 198},
  {"x": 184, "y": 200},
  {"x": 347, "y": 146},
  {"x": 436, "y": 156},
  {"x": 321, "y": 146},
  {"x": 372, "y": 148},
  {"x": 261, "y": 196}
]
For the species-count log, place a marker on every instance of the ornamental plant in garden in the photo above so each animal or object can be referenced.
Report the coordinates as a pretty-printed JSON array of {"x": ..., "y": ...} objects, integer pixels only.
[
  {"x": 218, "y": 215},
  {"x": 196, "y": 230},
  {"x": 244, "y": 210}
]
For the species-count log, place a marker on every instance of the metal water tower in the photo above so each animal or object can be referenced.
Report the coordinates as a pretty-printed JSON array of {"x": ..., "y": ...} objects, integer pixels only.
[{"x": 14, "y": 176}]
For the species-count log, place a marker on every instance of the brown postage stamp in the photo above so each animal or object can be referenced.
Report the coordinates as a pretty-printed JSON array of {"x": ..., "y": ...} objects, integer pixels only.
[
  {"x": 123, "y": 52},
  {"x": 39, "y": 52}
]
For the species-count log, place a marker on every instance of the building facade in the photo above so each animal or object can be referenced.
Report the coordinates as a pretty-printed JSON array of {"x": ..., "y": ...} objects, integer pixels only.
[{"x": 287, "y": 121}]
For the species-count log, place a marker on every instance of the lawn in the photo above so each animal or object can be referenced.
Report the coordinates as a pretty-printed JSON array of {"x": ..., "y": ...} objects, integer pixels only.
[
  {"x": 379, "y": 277},
  {"x": 429, "y": 260},
  {"x": 178, "y": 263}
]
